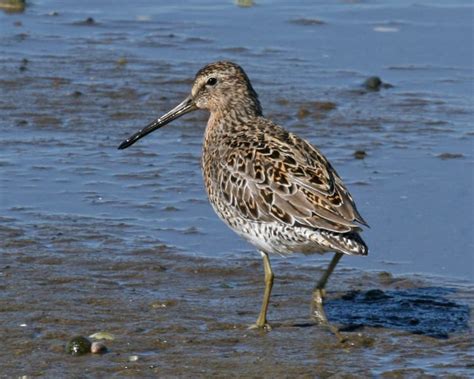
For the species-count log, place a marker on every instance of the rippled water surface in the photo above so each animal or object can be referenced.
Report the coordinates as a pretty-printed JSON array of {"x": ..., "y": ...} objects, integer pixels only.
[{"x": 79, "y": 216}]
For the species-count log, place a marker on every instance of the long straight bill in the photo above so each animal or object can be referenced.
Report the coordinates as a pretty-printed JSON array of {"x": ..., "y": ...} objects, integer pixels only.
[{"x": 184, "y": 107}]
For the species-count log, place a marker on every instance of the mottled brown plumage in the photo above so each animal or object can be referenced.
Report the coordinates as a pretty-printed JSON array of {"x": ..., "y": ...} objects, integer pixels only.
[{"x": 270, "y": 186}]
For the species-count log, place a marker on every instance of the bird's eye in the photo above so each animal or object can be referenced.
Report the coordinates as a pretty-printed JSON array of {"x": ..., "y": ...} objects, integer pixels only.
[{"x": 211, "y": 81}]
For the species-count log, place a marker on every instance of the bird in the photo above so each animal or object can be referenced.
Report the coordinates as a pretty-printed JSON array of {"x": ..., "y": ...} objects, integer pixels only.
[{"x": 272, "y": 187}]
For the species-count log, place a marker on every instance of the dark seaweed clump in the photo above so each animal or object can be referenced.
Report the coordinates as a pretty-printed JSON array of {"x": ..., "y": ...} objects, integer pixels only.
[{"x": 423, "y": 311}]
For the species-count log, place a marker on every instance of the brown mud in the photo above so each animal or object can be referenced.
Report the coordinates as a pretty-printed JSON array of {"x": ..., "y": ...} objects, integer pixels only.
[
  {"x": 97, "y": 240},
  {"x": 172, "y": 314}
]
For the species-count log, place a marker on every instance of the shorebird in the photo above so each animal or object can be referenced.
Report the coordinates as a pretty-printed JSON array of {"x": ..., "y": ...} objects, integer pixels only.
[{"x": 270, "y": 186}]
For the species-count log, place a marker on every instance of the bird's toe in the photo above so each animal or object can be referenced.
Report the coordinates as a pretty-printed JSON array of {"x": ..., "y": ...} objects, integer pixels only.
[{"x": 264, "y": 327}]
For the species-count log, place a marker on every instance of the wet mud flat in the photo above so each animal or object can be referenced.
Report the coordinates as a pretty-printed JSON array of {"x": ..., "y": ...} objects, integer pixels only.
[
  {"x": 172, "y": 314},
  {"x": 93, "y": 240}
]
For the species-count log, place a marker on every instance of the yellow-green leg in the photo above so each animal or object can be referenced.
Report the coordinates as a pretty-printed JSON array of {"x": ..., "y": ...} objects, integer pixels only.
[
  {"x": 262, "y": 317},
  {"x": 317, "y": 308}
]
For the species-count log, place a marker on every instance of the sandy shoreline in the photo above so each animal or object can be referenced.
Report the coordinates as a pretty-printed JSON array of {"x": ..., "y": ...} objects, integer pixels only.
[{"x": 188, "y": 316}]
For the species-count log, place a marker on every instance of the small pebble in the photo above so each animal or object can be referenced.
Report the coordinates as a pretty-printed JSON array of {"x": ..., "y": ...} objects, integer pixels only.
[
  {"x": 87, "y": 21},
  {"x": 360, "y": 154},
  {"x": 102, "y": 336},
  {"x": 78, "y": 345},
  {"x": 373, "y": 83},
  {"x": 133, "y": 358},
  {"x": 98, "y": 348},
  {"x": 122, "y": 61}
]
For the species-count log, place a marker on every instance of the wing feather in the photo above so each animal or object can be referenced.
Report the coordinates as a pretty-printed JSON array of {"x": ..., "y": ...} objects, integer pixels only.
[{"x": 286, "y": 179}]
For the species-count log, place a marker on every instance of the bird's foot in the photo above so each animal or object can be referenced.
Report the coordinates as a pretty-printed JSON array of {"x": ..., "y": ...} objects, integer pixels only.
[
  {"x": 334, "y": 330},
  {"x": 260, "y": 326},
  {"x": 320, "y": 319},
  {"x": 319, "y": 315}
]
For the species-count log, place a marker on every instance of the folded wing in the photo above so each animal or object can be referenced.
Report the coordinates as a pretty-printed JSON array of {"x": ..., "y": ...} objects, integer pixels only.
[{"x": 281, "y": 177}]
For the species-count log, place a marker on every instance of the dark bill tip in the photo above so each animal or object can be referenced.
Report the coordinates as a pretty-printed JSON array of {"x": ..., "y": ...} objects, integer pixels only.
[
  {"x": 184, "y": 107},
  {"x": 130, "y": 141},
  {"x": 141, "y": 133},
  {"x": 124, "y": 144}
]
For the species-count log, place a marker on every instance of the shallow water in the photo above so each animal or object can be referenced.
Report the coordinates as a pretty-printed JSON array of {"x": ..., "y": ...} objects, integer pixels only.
[{"x": 80, "y": 217}]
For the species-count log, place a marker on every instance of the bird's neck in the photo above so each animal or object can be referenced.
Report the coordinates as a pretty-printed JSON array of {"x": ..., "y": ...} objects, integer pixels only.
[
  {"x": 230, "y": 118},
  {"x": 234, "y": 112},
  {"x": 229, "y": 121},
  {"x": 243, "y": 107}
]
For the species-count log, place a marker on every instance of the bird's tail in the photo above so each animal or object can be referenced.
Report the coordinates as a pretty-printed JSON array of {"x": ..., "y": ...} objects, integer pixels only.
[{"x": 349, "y": 243}]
